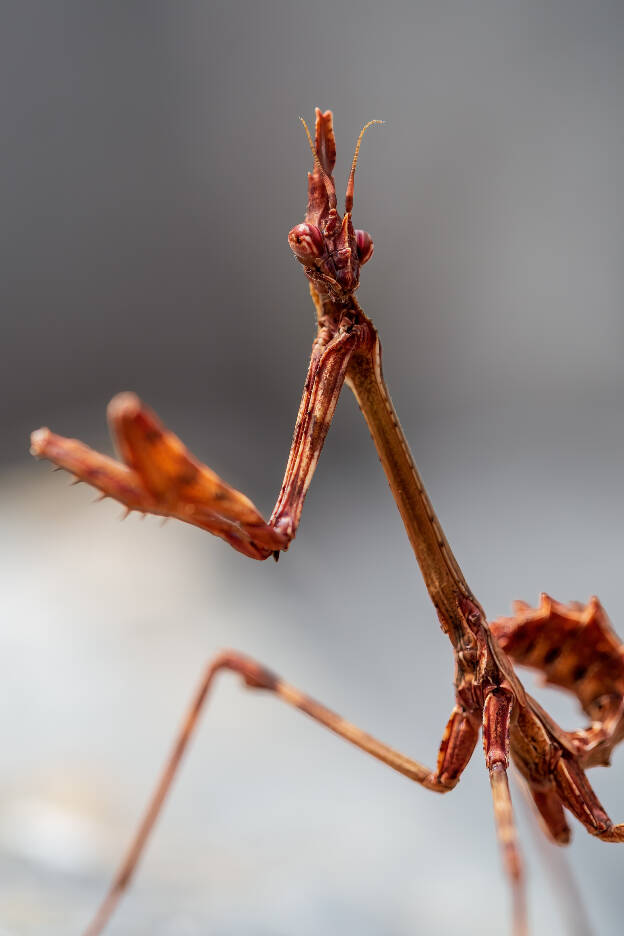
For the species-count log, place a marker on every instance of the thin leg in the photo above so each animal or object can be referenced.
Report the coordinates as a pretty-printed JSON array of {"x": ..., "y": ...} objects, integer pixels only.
[
  {"x": 455, "y": 751},
  {"x": 496, "y": 723},
  {"x": 549, "y": 829},
  {"x": 552, "y": 815}
]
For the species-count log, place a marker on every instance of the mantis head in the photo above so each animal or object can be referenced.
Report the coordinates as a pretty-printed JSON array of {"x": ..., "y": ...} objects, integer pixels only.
[{"x": 328, "y": 246}]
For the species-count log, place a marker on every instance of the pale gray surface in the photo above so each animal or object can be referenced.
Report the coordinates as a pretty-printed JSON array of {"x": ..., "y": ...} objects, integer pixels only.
[{"x": 152, "y": 165}]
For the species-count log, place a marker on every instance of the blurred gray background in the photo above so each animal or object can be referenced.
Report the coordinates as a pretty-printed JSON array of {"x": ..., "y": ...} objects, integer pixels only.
[{"x": 151, "y": 166}]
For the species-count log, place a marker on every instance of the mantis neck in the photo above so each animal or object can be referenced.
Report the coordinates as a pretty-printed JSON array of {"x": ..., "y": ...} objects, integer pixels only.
[{"x": 443, "y": 577}]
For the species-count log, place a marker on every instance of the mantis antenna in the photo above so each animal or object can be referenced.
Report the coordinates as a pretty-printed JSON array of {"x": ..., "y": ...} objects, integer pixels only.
[
  {"x": 351, "y": 182},
  {"x": 309, "y": 136}
]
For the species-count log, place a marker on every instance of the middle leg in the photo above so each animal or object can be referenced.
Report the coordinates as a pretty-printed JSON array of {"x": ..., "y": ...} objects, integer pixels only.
[
  {"x": 496, "y": 724},
  {"x": 457, "y": 745}
]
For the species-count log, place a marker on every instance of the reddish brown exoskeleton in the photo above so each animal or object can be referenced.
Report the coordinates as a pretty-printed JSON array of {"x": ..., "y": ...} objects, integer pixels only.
[{"x": 572, "y": 646}]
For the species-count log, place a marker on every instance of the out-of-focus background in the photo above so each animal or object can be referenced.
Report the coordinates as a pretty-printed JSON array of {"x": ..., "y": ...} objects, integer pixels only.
[{"x": 152, "y": 164}]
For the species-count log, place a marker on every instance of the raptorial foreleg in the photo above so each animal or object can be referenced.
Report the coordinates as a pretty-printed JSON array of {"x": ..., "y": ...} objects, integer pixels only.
[{"x": 157, "y": 474}]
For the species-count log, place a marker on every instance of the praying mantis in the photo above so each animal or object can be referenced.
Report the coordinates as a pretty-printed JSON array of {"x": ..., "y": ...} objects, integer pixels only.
[{"x": 572, "y": 646}]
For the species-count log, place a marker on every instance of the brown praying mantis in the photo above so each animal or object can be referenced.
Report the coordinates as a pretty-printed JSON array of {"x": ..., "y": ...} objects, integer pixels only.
[{"x": 571, "y": 645}]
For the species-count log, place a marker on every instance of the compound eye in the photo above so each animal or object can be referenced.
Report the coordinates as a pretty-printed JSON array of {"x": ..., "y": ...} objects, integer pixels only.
[
  {"x": 306, "y": 242},
  {"x": 365, "y": 246}
]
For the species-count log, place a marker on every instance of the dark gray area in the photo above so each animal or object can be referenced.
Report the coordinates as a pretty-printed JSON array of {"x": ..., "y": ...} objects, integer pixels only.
[{"x": 151, "y": 166}]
